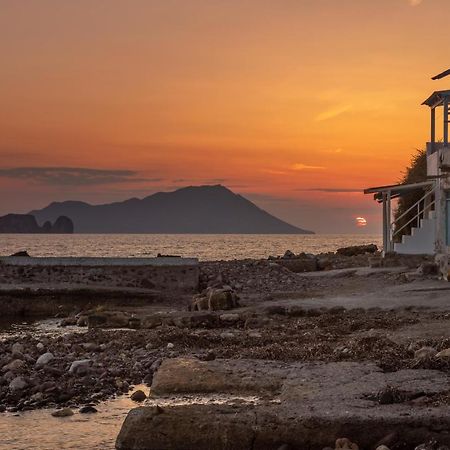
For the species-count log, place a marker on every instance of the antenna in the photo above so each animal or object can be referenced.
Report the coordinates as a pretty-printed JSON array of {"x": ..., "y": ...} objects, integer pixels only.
[{"x": 441, "y": 75}]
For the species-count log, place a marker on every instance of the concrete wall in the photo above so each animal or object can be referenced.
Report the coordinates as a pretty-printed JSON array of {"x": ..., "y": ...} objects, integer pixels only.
[{"x": 168, "y": 275}]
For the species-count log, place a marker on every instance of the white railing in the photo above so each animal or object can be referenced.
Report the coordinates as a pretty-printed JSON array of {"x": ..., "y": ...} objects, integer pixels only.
[{"x": 423, "y": 206}]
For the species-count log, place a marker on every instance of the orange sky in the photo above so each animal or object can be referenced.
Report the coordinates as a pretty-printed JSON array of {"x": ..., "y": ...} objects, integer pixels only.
[{"x": 293, "y": 103}]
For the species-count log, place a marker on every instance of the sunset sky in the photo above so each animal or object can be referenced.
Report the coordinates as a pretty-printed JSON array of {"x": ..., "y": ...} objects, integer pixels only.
[{"x": 296, "y": 104}]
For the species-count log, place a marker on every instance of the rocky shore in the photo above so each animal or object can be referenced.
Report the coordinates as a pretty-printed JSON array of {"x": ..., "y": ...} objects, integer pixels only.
[{"x": 249, "y": 314}]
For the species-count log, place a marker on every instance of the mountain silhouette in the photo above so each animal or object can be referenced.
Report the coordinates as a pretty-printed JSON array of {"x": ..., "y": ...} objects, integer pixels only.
[{"x": 194, "y": 209}]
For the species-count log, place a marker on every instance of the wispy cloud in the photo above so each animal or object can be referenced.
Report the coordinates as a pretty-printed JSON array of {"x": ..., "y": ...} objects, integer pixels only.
[
  {"x": 334, "y": 190},
  {"x": 333, "y": 112},
  {"x": 274, "y": 172},
  {"x": 301, "y": 166},
  {"x": 415, "y": 2},
  {"x": 73, "y": 176}
]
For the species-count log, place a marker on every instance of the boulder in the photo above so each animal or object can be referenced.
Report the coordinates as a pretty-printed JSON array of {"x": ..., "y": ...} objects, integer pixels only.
[
  {"x": 219, "y": 299},
  {"x": 22, "y": 253},
  {"x": 357, "y": 250},
  {"x": 199, "y": 303},
  {"x": 199, "y": 426}
]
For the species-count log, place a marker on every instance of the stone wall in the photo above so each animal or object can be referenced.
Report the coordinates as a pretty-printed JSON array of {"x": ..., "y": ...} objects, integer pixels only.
[{"x": 174, "y": 275}]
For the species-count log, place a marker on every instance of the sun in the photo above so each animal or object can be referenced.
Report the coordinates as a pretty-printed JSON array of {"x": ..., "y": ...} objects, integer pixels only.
[{"x": 361, "y": 222}]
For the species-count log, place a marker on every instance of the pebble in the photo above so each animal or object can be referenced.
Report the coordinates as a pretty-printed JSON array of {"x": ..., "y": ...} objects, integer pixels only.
[
  {"x": 254, "y": 334},
  {"x": 425, "y": 353},
  {"x": 88, "y": 410},
  {"x": 79, "y": 364},
  {"x": 138, "y": 396},
  {"x": 17, "y": 348},
  {"x": 44, "y": 359},
  {"x": 65, "y": 412},
  {"x": 227, "y": 335},
  {"x": 15, "y": 366},
  {"x": 170, "y": 345},
  {"x": 443, "y": 354},
  {"x": 18, "y": 384},
  {"x": 229, "y": 317}
]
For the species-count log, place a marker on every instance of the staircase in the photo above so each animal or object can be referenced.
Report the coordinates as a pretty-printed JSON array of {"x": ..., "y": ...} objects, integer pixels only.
[
  {"x": 421, "y": 240},
  {"x": 422, "y": 221}
]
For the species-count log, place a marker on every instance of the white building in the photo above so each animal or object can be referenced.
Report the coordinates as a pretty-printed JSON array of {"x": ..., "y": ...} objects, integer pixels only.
[{"x": 428, "y": 220}]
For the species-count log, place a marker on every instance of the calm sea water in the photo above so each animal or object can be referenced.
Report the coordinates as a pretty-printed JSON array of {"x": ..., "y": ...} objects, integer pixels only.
[{"x": 205, "y": 247}]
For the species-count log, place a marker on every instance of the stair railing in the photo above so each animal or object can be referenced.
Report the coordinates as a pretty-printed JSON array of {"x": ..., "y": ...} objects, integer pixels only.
[{"x": 420, "y": 213}]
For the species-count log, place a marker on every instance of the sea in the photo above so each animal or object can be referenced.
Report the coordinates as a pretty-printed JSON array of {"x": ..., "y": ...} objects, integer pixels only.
[{"x": 206, "y": 247}]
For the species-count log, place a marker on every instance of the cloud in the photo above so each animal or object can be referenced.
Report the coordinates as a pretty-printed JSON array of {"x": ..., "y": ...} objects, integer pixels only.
[
  {"x": 415, "y": 2},
  {"x": 73, "y": 176},
  {"x": 333, "y": 190},
  {"x": 301, "y": 166},
  {"x": 274, "y": 172},
  {"x": 333, "y": 112}
]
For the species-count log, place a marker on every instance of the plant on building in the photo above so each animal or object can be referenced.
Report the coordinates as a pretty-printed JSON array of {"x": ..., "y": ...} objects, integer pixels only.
[{"x": 416, "y": 172}]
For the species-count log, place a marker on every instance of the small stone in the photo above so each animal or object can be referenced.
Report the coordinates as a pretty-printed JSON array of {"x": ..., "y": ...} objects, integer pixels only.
[
  {"x": 65, "y": 412},
  {"x": 44, "y": 359},
  {"x": 382, "y": 447},
  {"x": 425, "y": 353},
  {"x": 226, "y": 335},
  {"x": 254, "y": 334},
  {"x": 443, "y": 354},
  {"x": 15, "y": 366},
  {"x": 138, "y": 396},
  {"x": 170, "y": 345},
  {"x": 345, "y": 444},
  {"x": 80, "y": 365},
  {"x": 18, "y": 384},
  {"x": 17, "y": 348},
  {"x": 40, "y": 346},
  {"x": 210, "y": 356},
  {"x": 229, "y": 317},
  {"x": 88, "y": 410}
]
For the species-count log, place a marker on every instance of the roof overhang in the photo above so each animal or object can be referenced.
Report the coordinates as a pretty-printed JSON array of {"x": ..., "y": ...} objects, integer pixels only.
[
  {"x": 436, "y": 98},
  {"x": 396, "y": 190},
  {"x": 441, "y": 75}
]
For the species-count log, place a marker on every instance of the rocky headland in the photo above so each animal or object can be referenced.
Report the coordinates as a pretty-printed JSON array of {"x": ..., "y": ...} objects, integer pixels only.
[{"x": 26, "y": 223}]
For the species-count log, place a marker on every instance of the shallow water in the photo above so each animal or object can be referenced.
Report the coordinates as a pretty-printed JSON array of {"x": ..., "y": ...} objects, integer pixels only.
[
  {"x": 205, "y": 247},
  {"x": 38, "y": 430}
]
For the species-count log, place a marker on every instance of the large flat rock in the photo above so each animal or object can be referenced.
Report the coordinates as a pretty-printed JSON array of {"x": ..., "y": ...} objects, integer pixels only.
[{"x": 304, "y": 405}]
